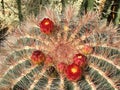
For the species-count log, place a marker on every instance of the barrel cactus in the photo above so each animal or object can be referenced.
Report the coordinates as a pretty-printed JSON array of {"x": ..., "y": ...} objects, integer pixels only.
[{"x": 61, "y": 52}]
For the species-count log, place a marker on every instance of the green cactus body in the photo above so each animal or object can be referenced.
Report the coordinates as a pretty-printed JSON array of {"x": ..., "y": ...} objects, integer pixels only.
[{"x": 70, "y": 34}]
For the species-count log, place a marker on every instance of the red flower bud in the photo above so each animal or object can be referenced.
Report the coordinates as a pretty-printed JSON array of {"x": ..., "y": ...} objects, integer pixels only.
[
  {"x": 48, "y": 61},
  {"x": 46, "y": 26},
  {"x": 80, "y": 60},
  {"x": 61, "y": 67},
  {"x": 37, "y": 57},
  {"x": 73, "y": 72},
  {"x": 87, "y": 49}
]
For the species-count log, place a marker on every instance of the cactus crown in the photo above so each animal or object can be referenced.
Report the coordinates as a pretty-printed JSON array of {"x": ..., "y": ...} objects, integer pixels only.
[{"x": 69, "y": 35}]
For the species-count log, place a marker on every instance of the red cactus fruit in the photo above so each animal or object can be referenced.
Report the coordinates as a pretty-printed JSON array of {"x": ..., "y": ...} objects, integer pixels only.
[
  {"x": 73, "y": 72},
  {"x": 37, "y": 57},
  {"x": 46, "y": 26},
  {"x": 80, "y": 60},
  {"x": 61, "y": 67},
  {"x": 87, "y": 49}
]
